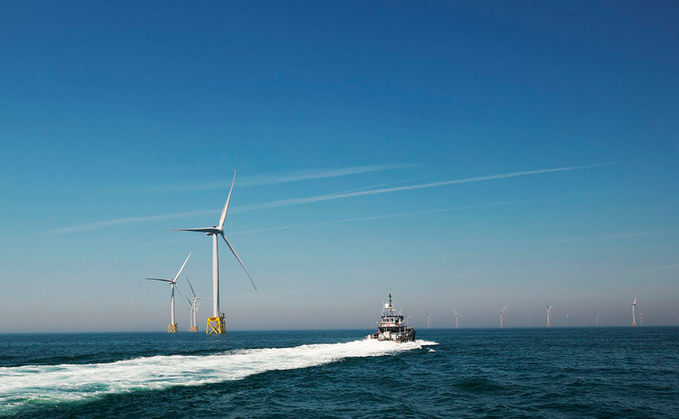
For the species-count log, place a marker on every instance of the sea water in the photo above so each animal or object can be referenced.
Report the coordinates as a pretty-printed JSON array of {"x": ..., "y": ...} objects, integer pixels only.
[{"x": 530, "y": 373}]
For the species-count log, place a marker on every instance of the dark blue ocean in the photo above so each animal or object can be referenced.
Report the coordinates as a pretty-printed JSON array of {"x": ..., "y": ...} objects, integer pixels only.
[{"x": 522, "y": 373}]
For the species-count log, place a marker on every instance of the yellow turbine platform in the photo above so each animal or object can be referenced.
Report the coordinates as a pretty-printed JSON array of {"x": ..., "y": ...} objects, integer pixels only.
[
  {"x": 193, "y": 329},
  {"x": 215, "y": 325},
  {"x": 172, "y": 328}
]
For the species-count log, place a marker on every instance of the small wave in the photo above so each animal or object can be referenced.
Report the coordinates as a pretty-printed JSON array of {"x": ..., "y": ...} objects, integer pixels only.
[
  {"x": 71, "y": 382},
  {"x": 479, "y": 385}
]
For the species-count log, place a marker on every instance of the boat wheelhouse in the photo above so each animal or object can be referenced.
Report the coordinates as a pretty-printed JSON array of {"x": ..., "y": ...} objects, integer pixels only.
[{"x": 393, "y": 326}]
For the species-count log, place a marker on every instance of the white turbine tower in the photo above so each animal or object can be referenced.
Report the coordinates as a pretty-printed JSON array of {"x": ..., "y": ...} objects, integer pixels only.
[
  {"x": 641, "y": 319},
  {"x": 457, "y": 319},
  {"x": 428, "y": 318},
  {"x": 215, "y": 324},
  {"x": 597, "y": 320},
  {"x": 567, "y": 318},
  {"x": 549, "y": 312},
  {"x": 634, "y": 311},
  {"x": 502, "y": 313},
  {"x": 193, "y": 308},
  {"x": 172, "y": 328}
]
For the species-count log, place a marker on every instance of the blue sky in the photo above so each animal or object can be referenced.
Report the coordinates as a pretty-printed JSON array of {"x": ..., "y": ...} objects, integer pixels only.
[{"x": 121, "y": 121}]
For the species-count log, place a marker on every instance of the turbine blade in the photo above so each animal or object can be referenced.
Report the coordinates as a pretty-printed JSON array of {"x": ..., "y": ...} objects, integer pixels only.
[
  {"x": 194, "y": 293},
  {"x": 159, "y": 279},
  {"x": 503, "y": 309},
  {"x": 237, "y": 257},
  {"x": 182, "y": 268},
  {"x": 182, "y": 294},
  {"x": 226, "y": 206},
  {"x": 199, "y": 230}
]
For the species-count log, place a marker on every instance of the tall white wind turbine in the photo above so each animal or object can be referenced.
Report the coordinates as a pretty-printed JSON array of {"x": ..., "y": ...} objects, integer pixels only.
[
  {"x": 567, "y": 318},
  {"x": 641, "y": 319},
  {"x": 502, "y": 313},
  {"x": 172, "y": 328},
  {"x": 549, "y": 312},
  {"x": 215, "y": 324},
  {"x": 428, "y": 318},
  {"x": 457, "y": 318},
  {"x": 634, "y": 311},
  {"x": 597, "y": 320}
]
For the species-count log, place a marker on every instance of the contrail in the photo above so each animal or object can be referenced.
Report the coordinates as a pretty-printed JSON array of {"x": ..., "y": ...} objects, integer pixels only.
[
  {"x": 275, "y": 179},
  {"x": 289, "y": 202},
  {"x": 405, "y": 214},
  {"x": 607, "y": 237},
  {"x": 127, "y": 220}
]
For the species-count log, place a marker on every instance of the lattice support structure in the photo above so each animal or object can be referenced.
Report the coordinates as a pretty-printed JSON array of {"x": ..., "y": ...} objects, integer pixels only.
[
  {"x": 215, "y": 325},
  {"x": 193, "y": 329},
  {"x": 172, "y": 328}
]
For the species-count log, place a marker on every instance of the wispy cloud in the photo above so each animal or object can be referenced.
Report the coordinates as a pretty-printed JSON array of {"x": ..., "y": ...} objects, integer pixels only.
[
  {"x": 131, "y": 220},
  {"x": 620, "y": 236},
  {"x": 278, "y": 178},
  {"x": 297, "y": 201},
  {"x": 128, "y": 220},
  {"x": 441, "y": 210},
  {"x": 319, "y": 174}
]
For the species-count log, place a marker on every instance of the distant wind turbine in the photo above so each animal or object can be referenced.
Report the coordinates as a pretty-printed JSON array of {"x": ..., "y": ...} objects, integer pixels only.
[
  {"x": 567, "y": 318},
  {"x": 597, "y": 320},
  {"x": 549, "y": 312},
  {"x": 641, "y": 319},
  {"x": 428, "y": 318},
  {"x": 457, "y": 323},
  {"x": 530, "y": 318},
  {"x": 215, "y": 324},
  {"x": 634, "y": 311},
  {"x": 502, "y": 313},
  {"x": 172, "y": 328},
  {"x": 193, "y": 308}
]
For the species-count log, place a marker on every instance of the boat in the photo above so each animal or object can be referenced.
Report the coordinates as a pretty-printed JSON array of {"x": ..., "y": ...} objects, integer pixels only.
[{"x": 392, "y": 326}]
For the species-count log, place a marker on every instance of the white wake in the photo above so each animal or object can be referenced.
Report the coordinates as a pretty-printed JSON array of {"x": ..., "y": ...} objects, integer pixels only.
[{"x": 69, "y": 382}]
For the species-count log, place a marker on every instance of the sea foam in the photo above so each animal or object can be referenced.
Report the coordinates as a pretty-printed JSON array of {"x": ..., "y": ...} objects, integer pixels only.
[{"x": 71, "y": 382}]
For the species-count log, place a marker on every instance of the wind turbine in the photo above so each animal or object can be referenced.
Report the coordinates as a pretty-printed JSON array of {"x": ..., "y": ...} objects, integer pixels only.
[
  {"x": 172, "y": 328},
  {"x": 597, "y": 320},
  {"x": 567, "y": 313},
  {"x": 549, "y": 312},
  {"x": 428, "y": 318},
  {"x": 215, "y": 324},
  {"x": 634, "y": 311},
  {"x": 641, "y": 319},
  {"x": 502, "y": 313},
  {"x": 457, "y": 320},
  {"x": 193, "y": 308},
  {"x": 530, "y": 318}
]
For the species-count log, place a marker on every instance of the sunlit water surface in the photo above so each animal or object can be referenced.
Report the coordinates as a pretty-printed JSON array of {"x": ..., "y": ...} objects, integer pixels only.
[{"x": 529, "y": 373}]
